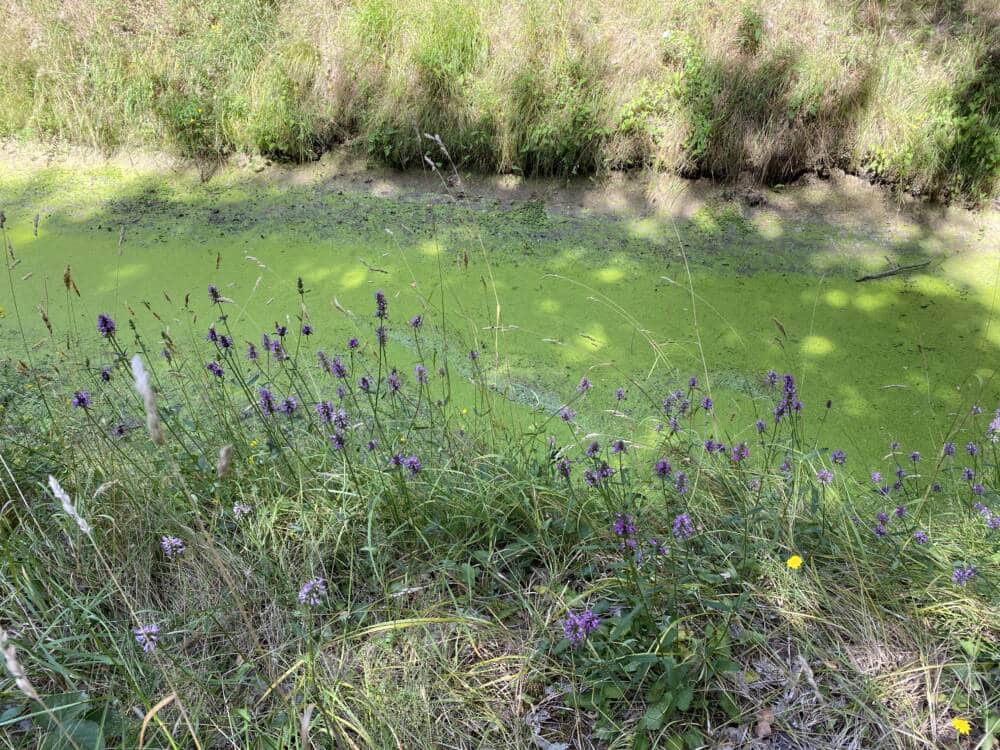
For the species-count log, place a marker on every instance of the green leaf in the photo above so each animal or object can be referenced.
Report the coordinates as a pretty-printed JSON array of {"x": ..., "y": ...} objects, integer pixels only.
[
  {"x": 77, "y": 734},
  {"x": 684, "y": 698},
  {"x": 653, "y": 718},
  {"x": 63, "y": 707},
  {"x": 694, "y": 739},
  {"x": 624, "y": 624}
]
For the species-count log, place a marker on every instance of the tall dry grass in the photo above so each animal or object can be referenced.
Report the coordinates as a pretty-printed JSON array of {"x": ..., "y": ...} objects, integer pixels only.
[{"x": 904, "y": 90}]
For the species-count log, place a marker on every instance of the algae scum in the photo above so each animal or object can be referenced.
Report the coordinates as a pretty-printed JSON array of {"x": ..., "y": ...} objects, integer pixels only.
[{"x": 546, "y": 297}]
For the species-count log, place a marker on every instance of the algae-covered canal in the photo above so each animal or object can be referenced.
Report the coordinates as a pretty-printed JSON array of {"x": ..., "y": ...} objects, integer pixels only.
[{"x": 640, "y": 299}]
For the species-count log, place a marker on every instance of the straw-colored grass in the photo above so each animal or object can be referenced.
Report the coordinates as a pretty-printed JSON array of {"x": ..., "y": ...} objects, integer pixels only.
[{"x": 906, "y": 91}]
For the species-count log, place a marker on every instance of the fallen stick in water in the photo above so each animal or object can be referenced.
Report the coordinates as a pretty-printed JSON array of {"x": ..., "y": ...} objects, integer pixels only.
[{"x": 893, "y": 271}]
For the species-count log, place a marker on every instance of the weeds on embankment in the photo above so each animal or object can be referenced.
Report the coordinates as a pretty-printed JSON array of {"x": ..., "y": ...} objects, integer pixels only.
[
  {"x": 906, "y": 91},
  {"x": 230, "y": 537}
]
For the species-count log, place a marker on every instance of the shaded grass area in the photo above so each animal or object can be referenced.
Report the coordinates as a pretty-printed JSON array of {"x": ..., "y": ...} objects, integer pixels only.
[
  {"x": 905, "y": 91},
  {"x": 572, "y": 296}
]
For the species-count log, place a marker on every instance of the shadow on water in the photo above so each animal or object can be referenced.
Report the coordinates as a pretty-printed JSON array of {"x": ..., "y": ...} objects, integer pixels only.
[{"x": 898, "y": 358}]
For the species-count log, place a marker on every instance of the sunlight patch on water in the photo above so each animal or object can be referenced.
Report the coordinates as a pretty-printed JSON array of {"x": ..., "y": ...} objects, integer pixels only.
[
  {"x": 871, "y": 302},
  {"x": 430, "y": 248},
  {"x": 354, "y": 278},
  {"x": 647, "y": 229},
  {"x": 610, "y": 275},
  {"x": 837, "y": 298},
  {"x": 817, "y": 346},
  {"x": 768, "y": 225}
]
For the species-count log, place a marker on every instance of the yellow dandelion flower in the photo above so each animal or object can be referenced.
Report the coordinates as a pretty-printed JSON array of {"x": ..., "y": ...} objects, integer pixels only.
[
  {"x": 794, "y": 562},
  {"x": 962, "y": 726},
  {"x": 464, "y": 412},
  {"x": 253, "y": 443}
]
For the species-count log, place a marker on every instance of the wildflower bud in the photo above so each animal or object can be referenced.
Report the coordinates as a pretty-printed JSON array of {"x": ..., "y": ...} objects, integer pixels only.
[
  {"x": 10, "y": 655},
  {"x": 225, "y": 461},
  {"x": 67, "y": 504},
  {"x": 148, "y": 399}
]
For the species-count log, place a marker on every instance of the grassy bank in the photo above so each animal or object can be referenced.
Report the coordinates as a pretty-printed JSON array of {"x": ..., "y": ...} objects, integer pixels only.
[
  {"x": 904, "y": 90},
  {"x": 223, "y": 528}
]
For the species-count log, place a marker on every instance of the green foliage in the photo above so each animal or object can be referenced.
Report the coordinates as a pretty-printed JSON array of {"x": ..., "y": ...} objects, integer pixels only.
[
  {"x": 189, "y": 120},
  {"x": 450, "y": 44},
  {"x": 750, "y": 32},
  {"x": 696, "y": 87},
  {"x": 563, "y": 125},
  {"x": 280, "y": 123}
]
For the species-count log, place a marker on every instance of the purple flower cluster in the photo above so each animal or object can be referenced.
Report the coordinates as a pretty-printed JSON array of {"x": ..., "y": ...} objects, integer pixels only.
[
  {"x": 81, "y": 400},
  {"x": 577, "y": 627},
  {"x": 683, "y": 528},
  {"x": 105, "y": 325},
  {"x": 679, "y": 400},
  {"x": 146, "y": 636},
  {"x": 681, "y": 483},
  {"x": 992, "y": 520},
  {"x": 337, "y": 368},
  {"x": 395, "y": 384},
  {"x": 172, "y": 546},
  {"x": 266, "y": 401},
  {"x": 739, "y": 453},
  {"x": 662, "y": 468},
  {"x": 789, "y": 401},
  {"x": 624, "y": 528},
  {"x": 962, "y": 575},
  {"x": 594, "y": 477},
  {"x": 312, "y": 592}
]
